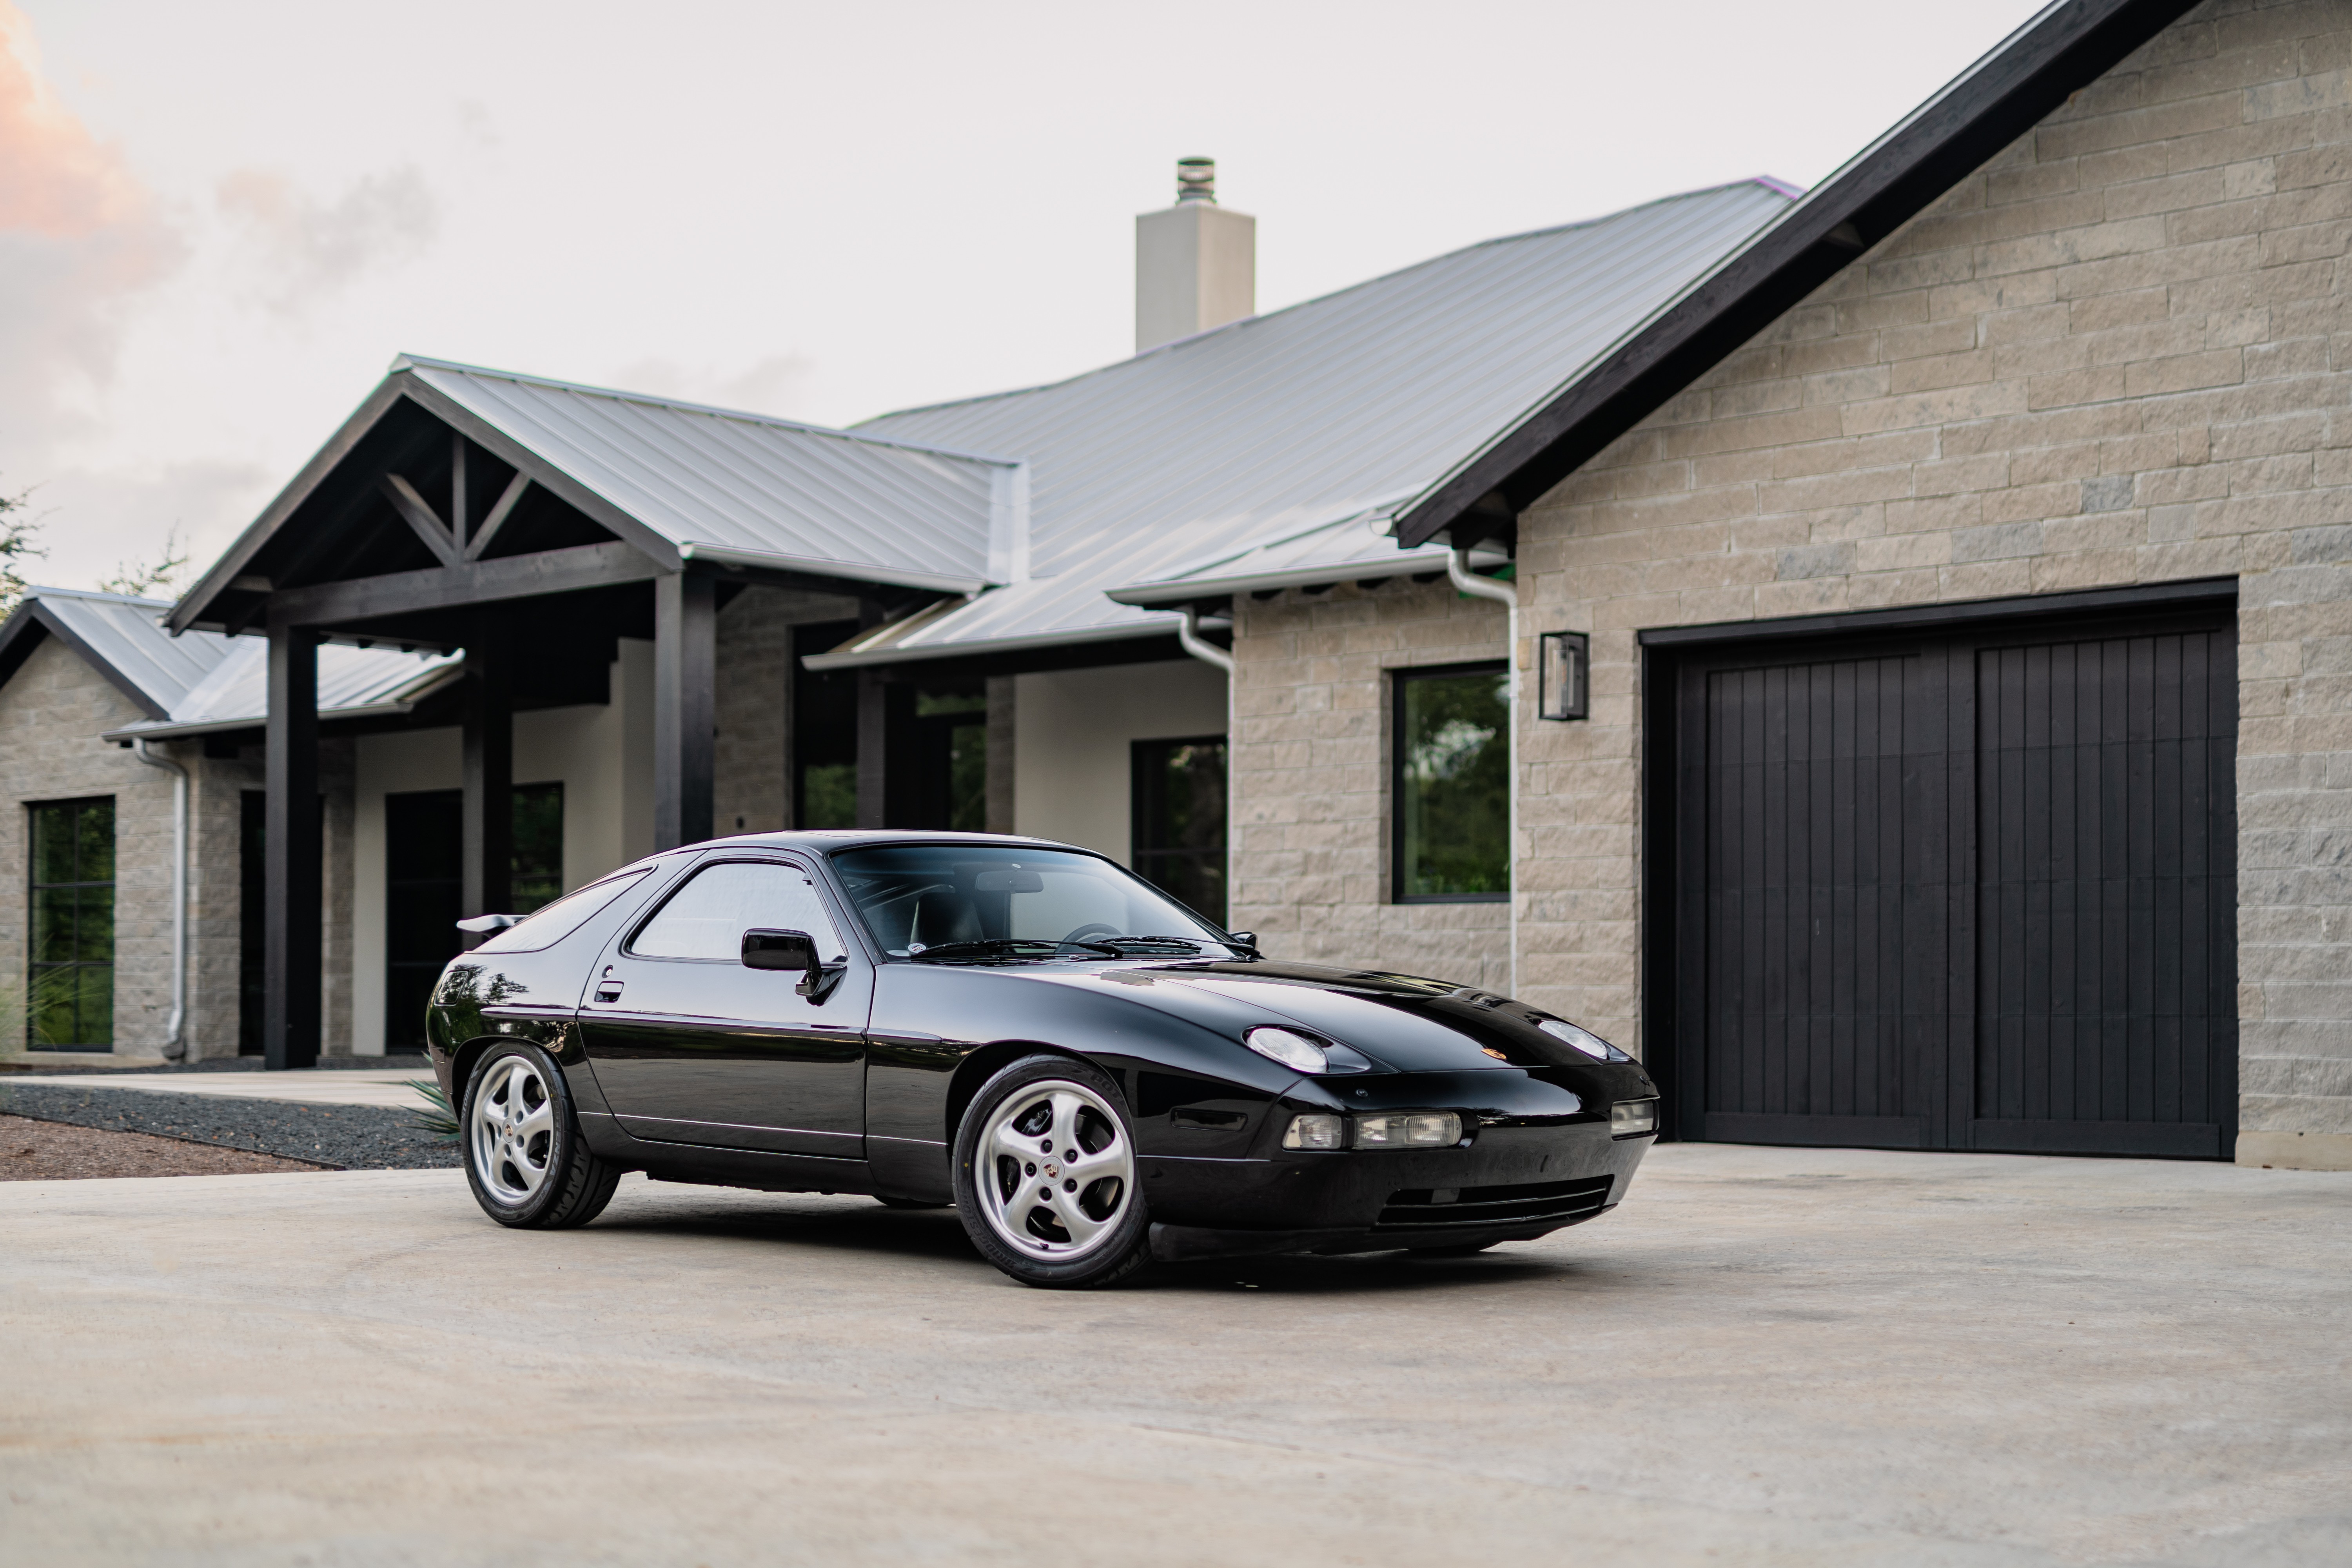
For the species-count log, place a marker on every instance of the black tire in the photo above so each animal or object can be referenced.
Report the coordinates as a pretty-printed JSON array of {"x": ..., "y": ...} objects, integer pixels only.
[
  {"x": 571, "y": 1184},
  {"x": 1116, "y": 1251},
  {"x": 889, "y": 1201}
]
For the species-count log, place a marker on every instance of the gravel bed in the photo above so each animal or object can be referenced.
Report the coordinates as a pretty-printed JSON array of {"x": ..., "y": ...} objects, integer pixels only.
[{"x": 346, "y": 1137}]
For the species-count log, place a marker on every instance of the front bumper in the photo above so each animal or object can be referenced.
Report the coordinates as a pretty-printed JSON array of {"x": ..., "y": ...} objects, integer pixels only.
[{"x": 1508, "y": 1184}]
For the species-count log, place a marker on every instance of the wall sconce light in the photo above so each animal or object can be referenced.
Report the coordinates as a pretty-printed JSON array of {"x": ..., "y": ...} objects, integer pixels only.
[{"x": 1564, "y": 676}]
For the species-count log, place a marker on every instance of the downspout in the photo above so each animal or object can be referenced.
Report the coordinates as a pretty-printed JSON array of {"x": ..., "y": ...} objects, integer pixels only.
[
  {"x": 1188, "y": 634},
  {"x": 175, "y": 1042},
  {"x": 1457, "y": 570}
]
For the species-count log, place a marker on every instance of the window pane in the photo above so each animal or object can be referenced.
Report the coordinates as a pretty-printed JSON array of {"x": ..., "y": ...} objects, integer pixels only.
[
  {"x": 707, "y": 917},
  {"x": 96, "y": 1003},
  {"x": 1453, "y": 785},
  {"x": 95, "y": 831},
  {"x": 829, "y": 795},
  {"x": 968, "y": 778},
  {"x": 538, "y": 868},
  {"x": 1180, "y": 820},
  {"x": 52, "y": 844},
  {"x": 94, "y": 926}
]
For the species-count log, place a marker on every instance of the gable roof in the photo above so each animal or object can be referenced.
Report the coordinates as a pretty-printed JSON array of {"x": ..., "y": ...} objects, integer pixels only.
[
  {"x": 1981, "y": 110},
  {"x": 713, "y": 482},
  {"x": 1276, "y": 425},
  {"x": 201, "y": 681},
  {"x": 681, "y": 481}
]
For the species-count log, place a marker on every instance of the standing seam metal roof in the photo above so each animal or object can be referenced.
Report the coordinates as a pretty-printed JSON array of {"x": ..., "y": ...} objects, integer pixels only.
[
  {"x": 203, "y": 681},
  {"x": 1276, "y": 425},
  {"x": 710, "y": 477}
]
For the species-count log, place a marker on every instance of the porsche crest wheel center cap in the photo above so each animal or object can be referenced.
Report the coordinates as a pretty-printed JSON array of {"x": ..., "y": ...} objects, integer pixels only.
[{"x": 1051, "y": 1170}]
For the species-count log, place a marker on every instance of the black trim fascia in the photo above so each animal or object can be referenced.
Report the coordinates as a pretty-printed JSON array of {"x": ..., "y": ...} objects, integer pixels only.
[
  {"x": 2214, "y": 591},
  {"x": 1995, "y": 102}
]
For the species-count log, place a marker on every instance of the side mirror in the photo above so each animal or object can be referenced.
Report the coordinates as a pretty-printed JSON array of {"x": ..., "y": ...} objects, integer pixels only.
[
  {"x": 1248, "y": 939},
  {"x": 792, "y": 951}
]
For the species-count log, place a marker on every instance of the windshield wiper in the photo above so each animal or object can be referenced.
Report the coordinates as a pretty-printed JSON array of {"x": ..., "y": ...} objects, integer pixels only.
[
  {"x": 1007, "y": 947},
  {"x": 1184, "y": 943}
]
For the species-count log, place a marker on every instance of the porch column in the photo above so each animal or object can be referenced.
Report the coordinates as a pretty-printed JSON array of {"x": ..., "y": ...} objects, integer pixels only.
[
  {"x": 686, "y": 661},
  {"x": 489, "y": 774},
  {"x": 292, "y": 910}
]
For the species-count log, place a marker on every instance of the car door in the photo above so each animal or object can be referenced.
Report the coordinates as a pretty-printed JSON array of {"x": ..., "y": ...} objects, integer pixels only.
[{"x": 690, "y": 1046}]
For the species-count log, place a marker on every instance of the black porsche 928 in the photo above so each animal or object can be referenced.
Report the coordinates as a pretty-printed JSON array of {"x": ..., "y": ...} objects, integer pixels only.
[{"x": 1093, "y": 1076}]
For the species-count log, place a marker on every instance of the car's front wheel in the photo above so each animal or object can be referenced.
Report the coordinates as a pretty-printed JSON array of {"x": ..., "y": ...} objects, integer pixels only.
[
  {"x": 1046, "y": 1175},
  {"x": 525, "y": 1159}
]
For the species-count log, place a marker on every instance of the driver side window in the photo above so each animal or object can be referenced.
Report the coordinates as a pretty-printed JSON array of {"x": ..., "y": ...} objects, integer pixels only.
[{"x": 707, "y": 918}]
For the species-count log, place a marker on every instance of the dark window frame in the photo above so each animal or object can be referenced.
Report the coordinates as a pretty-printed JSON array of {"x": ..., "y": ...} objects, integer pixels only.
[
  {"x": 1140, "y": 801},
  {"x": 1399, "y": 680},
  {"x": 34, "y": 887}
]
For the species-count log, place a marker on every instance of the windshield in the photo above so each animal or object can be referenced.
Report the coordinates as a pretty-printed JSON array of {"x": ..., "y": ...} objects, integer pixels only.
[{"x": 918, "y": 896}]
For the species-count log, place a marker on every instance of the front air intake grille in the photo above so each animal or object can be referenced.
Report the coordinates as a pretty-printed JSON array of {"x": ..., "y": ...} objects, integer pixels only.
[{"x": 1470, "y": 1208}]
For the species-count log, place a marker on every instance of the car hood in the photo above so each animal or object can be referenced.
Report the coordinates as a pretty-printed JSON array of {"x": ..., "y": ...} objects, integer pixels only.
[{"x": 1403, "y": 1023}]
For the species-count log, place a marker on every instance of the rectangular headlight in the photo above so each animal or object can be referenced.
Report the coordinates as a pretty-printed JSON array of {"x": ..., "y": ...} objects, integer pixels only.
[
  {"x": 1427, "y": 1129},
  {"x": 1632, "y": 1118},
  {"x": 1316, "y": 1130}
]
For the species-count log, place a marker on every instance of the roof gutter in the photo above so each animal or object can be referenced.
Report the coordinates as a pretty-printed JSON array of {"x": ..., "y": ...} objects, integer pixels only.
[
  {"x": 393, "y": 707},
  {"x": 1403, "y": 564},
  {"x": 808, "y": 566},
  {"x": 1986, "y": 107},
  {"x": 861, "y": 658}
]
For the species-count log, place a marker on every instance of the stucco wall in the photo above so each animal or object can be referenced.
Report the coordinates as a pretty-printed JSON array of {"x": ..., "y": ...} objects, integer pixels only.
[
  {"x": 1071, "y": 731},
  {"x": 587, "y": 750},
  {"x": 1310, "y": 778},
  {"x": 2116, "y": 354}
]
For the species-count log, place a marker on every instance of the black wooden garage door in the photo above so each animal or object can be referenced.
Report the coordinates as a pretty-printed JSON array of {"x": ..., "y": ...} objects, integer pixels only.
[{"x": 1970, "y": 888}]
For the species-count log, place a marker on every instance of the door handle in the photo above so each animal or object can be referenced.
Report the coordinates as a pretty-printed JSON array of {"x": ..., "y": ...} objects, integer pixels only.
[{"x": 608, "y": 991}]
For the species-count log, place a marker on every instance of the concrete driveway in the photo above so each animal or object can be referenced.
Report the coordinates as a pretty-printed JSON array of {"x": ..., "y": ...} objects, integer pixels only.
[{"x": 1765, "y": 1356}]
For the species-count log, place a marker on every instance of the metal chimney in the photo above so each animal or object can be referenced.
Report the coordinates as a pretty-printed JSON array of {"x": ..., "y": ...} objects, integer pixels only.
[{"x": 1195, "y": 263}]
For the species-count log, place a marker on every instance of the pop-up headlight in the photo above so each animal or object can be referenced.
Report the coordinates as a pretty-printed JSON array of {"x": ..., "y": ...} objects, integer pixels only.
[
  {"x": 1584, "y": 1040},
  {"x": 1425, "y": 1129},
  {"x": 1293, "y": 1050}
]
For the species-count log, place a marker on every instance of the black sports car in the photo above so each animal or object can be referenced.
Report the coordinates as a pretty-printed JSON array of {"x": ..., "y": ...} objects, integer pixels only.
[{"x": 1093, "y": 1076}]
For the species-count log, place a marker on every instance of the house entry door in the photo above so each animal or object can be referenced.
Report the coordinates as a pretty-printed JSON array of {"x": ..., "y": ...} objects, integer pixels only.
[{"x": 1973, "y": 890}]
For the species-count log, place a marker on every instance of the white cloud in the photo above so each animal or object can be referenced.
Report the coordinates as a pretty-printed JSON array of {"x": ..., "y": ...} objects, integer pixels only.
[
  {"x": 308, "y": 248},
  {"x": 777, "y": 384}
]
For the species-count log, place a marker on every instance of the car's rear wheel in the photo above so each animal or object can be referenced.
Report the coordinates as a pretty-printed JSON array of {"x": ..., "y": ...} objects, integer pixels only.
[
  {"x": 1046, "y": 1175},
  {"x": 525, "y": 1159}
]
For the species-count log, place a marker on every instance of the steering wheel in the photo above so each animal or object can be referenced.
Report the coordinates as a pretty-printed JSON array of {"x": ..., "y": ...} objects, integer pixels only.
[{"x": 1086, "y": 931}]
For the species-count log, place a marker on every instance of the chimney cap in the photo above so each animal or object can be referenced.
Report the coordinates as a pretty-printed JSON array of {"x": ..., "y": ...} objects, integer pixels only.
[{"x": 1196, "y": 180}]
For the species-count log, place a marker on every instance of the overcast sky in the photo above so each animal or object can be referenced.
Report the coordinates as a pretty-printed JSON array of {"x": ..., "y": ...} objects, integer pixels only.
[{"x": 219, "y": 222}]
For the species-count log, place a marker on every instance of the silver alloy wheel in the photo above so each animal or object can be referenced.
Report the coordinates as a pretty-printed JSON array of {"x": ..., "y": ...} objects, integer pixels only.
[
  {"x": 1055, "y": 1170},
  {"x": 513, "y": 1134}
]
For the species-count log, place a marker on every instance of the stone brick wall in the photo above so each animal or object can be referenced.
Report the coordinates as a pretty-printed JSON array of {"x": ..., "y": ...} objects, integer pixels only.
[
  {"x": 2121, "y": 353},
  {"x": 50, "y": 717},
  {"x": 755, "y": 703},
  {"x": 1309, "y": 760}
]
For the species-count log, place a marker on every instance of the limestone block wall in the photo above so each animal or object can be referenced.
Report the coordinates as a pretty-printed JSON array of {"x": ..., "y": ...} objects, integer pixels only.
[
  {"x": 50, "y": 717},
  {"x": 1310, "y": 778},
  {"x": 755, "y": 703},
  {"x": 215, "y": 900},
  {"x": 2120, "y": 352}
]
